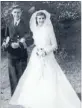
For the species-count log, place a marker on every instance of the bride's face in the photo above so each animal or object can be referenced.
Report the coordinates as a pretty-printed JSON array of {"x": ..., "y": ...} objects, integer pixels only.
[{"x": 40, "y": 20}]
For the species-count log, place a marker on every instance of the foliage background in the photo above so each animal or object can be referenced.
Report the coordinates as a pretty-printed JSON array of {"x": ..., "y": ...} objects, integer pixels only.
[{"x": 64, "y": 14}]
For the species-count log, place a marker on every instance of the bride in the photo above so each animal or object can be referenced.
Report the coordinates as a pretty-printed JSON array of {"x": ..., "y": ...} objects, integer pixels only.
[{"x": 43, "y": 84}]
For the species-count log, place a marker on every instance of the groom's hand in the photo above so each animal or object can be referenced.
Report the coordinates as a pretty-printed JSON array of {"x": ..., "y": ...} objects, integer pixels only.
[{"x": 14, "y": 45}]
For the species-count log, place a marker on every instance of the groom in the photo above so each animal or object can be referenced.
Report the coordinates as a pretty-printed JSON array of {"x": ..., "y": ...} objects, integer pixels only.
[{"x": 16, "y": 45}]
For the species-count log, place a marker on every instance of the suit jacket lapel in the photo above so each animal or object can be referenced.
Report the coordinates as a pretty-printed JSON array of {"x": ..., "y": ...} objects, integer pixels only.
[{"x": 12, "y": 29}]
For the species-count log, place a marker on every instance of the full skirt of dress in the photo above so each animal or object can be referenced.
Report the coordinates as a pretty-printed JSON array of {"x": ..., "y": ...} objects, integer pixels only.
[{"x": 44, "y": 85}]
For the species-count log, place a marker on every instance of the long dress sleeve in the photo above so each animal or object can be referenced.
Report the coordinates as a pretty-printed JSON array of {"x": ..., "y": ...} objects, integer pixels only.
[{"x": 53, "y": 42}]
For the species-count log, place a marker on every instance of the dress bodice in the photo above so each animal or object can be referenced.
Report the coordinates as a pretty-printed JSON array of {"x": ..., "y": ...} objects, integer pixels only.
[{"x": 41, "y": 37}]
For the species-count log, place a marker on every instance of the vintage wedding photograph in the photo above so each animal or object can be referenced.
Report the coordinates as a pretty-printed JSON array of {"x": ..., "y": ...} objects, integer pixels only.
[{"x": 40, "y": 54}]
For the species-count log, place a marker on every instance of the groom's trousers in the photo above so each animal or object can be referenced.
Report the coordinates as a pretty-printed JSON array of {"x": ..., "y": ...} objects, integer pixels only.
[{"x": 16, "y": 68}]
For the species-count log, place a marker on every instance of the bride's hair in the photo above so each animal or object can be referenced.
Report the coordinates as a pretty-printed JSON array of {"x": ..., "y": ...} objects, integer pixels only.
[
  {"x": 33, "y": 20},
  {"x": 40, "y": 14}
]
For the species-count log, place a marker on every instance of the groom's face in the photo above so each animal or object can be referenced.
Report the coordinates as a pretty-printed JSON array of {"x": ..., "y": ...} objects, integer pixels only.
[{"x": 17, "y": 13}]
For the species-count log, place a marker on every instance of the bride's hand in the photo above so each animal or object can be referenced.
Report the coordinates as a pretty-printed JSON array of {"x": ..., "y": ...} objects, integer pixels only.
[{"x": 50, "y": 49}]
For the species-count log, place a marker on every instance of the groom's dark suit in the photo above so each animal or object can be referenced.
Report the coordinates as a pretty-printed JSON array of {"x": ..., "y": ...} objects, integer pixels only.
[{"x": 17, "y": 58}]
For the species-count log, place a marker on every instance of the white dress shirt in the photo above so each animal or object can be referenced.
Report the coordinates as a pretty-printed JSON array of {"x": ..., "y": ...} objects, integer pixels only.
[{"x": 16, "y": 22}]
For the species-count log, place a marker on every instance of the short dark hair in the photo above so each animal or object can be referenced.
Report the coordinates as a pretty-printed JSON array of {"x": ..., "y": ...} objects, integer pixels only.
[
  {"x": 41, "y": 14},
  {"x": 16, "y": 7}
]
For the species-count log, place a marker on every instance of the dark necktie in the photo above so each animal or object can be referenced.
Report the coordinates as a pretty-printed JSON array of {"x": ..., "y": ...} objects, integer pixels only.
[{"x": 15, "y": 24}]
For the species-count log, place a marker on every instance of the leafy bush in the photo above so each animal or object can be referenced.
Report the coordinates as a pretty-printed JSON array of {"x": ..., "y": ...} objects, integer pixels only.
[
  {"x": 60, "y": 9},
  {"x": 65, "y": 16}
]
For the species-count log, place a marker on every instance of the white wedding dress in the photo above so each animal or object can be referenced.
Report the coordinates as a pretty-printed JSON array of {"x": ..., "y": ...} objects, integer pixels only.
[{"x": 44, "y": 84}]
